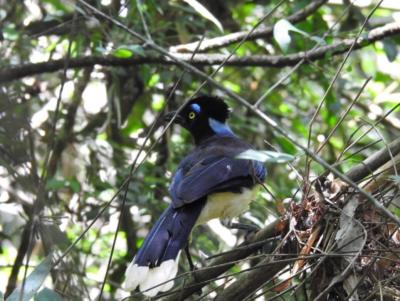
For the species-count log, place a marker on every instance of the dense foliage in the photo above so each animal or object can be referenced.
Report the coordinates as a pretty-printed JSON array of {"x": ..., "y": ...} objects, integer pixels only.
[{"x": 84, "y": 156}]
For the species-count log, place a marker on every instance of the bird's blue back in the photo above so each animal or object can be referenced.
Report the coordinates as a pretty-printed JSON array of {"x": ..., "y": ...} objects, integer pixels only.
[{"x": 213, "y": 167}]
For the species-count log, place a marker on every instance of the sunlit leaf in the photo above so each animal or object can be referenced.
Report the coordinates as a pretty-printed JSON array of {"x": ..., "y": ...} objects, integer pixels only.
[
  {"x": 281, "y": 33},
  {"x": 65, "y": 6},
  {"x": 282, "y": 37},
  {"x": 158, "y": 103},
  {"x": 154, "y": 79},
  {"x": 10, "y": 32},
  {"x": 34, "y": 281},
  {"x": 265, "y": 156},
  {"x": 122, "y": 53},
  {"x": 204, "y": 12},
  {"x": 126, "y": 51},
  {"x": 232, "y": 86}
]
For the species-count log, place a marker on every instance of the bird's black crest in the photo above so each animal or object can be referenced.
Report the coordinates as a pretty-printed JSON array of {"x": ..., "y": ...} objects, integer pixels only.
[{"x": 213, "y": 106}]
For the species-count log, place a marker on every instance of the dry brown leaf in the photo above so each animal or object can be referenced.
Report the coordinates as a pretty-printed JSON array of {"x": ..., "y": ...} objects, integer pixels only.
[
  {"x": 282, "y": 286},
  {"x": 306, "y": 250},
  {"x": 281, "y": 225}
]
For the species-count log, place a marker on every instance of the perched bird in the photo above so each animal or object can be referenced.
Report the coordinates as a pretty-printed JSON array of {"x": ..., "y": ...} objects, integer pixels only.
[{"x": 210, "y": 182}]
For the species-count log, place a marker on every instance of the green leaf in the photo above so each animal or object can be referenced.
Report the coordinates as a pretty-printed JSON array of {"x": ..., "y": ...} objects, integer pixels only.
[
  {"x": 122, "y": 53},
  {"x": 154, "y": 79},
  {"x": 74, "y": 185},
  {"x": 265, "y": 156},
  {"x": 54, "y": 184},
  {"x": 34, "y": 281},
  {"x": 285, "y": 145},
  {"x": 60, "y": 5},
  {"x": 126, "y": 51},
  {"x": 158, "y": 103},
  {"x": 48, "y": 295},
  {"x": 10, "y": 32},
  {"x": 390, "y": 48},
  {"x": 232, "y": 86}
]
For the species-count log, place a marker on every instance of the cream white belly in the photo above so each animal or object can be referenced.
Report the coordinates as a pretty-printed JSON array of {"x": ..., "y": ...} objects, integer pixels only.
[{"x": 226, "y": 204}]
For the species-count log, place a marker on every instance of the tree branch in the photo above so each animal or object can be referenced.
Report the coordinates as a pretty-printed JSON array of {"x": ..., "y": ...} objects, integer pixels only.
[
  {"x": 18, "y": 262},
  {"x": 373, "y": 162},
  {"x": 248, "y": 283},
  {"x": 67, "y": 134},
  {"x": 236, "y": 37},
  {"x": 276, "y": 61}
]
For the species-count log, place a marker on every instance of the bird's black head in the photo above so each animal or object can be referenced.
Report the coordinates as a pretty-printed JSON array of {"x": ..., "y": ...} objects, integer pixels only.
[{"x": 204, "y": 117}]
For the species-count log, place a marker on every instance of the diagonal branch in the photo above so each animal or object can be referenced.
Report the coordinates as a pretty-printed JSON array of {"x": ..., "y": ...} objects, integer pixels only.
[{"x": 373, "y": 162}]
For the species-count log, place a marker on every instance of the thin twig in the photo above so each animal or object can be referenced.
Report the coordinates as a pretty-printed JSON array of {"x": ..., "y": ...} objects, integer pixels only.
[
  {"x": 335, "y": 77},
  {"x": 344, "y": 115},
  {"x": 139, "y": 6},
  {"x": 287, "y": 75}
]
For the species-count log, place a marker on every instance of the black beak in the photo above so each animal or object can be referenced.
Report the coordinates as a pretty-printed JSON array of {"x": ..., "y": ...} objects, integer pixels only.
[{"x": 169, "y": 116}]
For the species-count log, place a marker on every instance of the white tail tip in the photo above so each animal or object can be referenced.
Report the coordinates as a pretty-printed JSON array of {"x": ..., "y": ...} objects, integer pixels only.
[{"x": 151, "y": 280}]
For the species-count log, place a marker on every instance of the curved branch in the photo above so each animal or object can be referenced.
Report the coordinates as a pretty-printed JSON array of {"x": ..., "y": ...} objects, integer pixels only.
[
  {"x": 276, "y": 61},
  {"x": 335, "y": 48},
  {"x": 236, "y": 37}
]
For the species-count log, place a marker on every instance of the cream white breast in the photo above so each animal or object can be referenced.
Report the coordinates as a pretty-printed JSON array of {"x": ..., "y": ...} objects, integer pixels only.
[{"x": 226, "y": 204}]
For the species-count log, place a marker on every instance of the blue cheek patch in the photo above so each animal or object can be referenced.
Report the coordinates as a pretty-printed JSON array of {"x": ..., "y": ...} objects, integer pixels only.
[
  {"x": 195, "y": 107},
  {"x": 219, "y": 128}
]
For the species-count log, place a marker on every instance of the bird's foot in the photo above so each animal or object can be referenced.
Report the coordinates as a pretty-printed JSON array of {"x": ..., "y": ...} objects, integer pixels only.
[
  {"x": 192, "y": 269},
  {"x": 240, "y": 226},
  {"x": 245, "y": 227},
  {"x": 250, "y": 229}
]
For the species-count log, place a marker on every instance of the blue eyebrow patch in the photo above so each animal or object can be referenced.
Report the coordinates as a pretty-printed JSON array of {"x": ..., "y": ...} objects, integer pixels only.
[{"x": 195, "y": 107}]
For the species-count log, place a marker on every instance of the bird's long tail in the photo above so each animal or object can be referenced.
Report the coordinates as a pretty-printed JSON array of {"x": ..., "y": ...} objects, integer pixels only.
[{"x": 157, "y": 260}]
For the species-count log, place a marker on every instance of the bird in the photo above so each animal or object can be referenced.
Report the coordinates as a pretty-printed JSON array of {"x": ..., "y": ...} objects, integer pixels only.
[{"x": 212, "y": 181}]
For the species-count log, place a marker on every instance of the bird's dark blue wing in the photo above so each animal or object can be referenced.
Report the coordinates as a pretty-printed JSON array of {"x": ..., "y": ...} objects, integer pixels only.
[{"x": 213, "y": 174}]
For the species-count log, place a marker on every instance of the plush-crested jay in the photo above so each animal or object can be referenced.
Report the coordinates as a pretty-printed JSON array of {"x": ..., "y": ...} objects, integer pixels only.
[{"x": 210, "y": 182}]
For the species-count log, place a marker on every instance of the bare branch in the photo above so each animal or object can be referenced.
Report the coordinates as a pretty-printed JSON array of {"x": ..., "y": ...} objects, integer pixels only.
[
  {"x": 370, "y": 164},
  {"x": 236, "y": 37},
  {"x": 275, "y": 61}
]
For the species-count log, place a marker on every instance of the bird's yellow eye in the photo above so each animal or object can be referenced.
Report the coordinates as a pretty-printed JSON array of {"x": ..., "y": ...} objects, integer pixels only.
[{"x": 192, "y": 115}]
